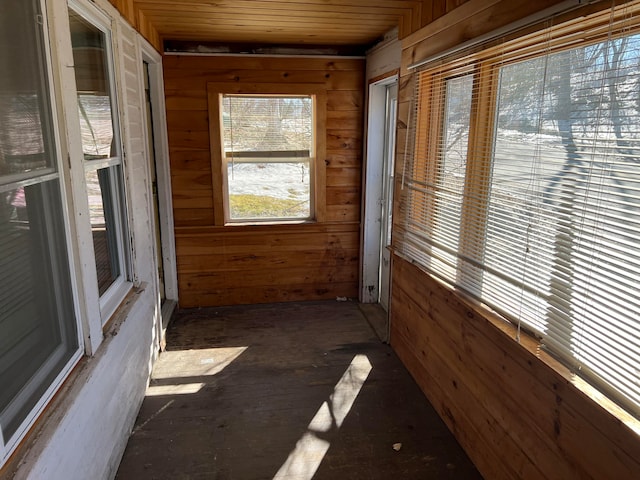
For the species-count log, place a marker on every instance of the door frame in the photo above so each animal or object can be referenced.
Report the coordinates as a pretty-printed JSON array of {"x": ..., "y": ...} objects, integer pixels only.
[
  {"x": 373, "y": 177},
  {"x": 163, "y": 177}
]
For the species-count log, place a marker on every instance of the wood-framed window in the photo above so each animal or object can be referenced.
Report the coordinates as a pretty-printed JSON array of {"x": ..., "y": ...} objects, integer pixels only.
[
  {"x": 267, "y": 151},
  {"x": 523, "y": 189}
]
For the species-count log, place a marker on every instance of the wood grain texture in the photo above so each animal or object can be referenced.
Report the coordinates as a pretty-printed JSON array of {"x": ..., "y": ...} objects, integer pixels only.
[
  {"x": 312, "y": 22},
  {"x": 138, "y": 20},
  {"x": 248, "y": 417},
  {"x": 265, "y": 263},
  {"x": 511, "y": 407},
  {"x": 220, "y": 264},
  {"x": 471, "y": 19},
  {"x": 517, "y": 412}
]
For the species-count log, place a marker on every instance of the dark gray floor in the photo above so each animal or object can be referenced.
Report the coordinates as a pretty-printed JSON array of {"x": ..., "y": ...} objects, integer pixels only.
[{"x": 283, "y": 406}]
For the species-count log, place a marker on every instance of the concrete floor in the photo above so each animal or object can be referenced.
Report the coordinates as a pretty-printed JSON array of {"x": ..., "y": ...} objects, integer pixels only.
[{"x": 286, "y": 391}]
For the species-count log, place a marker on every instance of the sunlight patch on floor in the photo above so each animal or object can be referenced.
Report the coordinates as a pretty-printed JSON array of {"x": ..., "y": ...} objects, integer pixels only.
[
  {"x": 183, "y": 364},
  {"x": 304, "y": 460},
  {"x": 180, "y": 389}
]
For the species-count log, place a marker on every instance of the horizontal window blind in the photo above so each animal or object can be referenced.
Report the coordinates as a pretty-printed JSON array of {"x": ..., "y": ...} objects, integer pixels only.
[
  {"x": 267, "y": 127},
  {"x": 522, "y": 187}
]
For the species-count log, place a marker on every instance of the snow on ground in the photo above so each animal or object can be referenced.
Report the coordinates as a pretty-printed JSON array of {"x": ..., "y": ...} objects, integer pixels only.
[{"x": 278, "y": 180}]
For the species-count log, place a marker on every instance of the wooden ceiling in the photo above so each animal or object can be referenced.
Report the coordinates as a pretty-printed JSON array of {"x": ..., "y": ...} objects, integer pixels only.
[{"x": 285, "y": 22}]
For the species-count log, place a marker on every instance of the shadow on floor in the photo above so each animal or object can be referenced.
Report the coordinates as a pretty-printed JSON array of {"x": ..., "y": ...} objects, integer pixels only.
[{"x": 285, "y": 391}]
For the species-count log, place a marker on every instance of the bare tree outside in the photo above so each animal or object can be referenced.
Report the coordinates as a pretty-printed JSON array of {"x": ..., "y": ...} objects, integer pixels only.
[
  {"x": 268, "y": 143},
  {"x": 566, "y": 173}
]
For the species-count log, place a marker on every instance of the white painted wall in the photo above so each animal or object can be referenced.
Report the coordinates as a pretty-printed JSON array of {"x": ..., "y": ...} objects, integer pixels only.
[
  {"x": 384, "y": 57},
  {"x": 83, "y": 433}
]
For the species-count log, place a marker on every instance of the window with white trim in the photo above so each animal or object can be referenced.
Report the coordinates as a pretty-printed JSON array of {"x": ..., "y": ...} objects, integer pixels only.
[
  {"x": 97, "y": 113},
  {"x": 39, "y": 335},
  {"x": 523, "y": 189}
]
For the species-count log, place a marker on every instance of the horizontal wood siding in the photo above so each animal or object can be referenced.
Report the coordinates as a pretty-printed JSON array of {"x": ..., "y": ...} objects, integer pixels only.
[
  {"x": 469, "y": 20},
  {"x": 517, "y": 413},
  {"x": 131, "y": 12},
  {"x": 264, "y": 263}
]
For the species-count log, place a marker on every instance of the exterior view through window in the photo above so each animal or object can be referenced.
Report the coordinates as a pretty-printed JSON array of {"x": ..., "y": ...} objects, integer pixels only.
[
  {"x": 524, "y": 191},
  {"x": 102, "y": 152},
  {"x": 268, "y": 144},
  {"x": 38, "y": 332}
]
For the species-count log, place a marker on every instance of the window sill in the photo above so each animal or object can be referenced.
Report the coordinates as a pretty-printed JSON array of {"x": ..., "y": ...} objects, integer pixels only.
[
  {"x": 254, "y": 223},
  {"x": 120, "y": 313},
  {"x": 112, "y": 300}
]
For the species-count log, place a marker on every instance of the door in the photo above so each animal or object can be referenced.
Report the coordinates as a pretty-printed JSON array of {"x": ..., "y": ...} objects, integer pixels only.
[{"x": 386, "y": 203}]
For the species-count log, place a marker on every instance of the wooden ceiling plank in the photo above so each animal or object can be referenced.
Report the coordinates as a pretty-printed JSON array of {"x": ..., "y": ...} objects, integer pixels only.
[
  {"x": 303, "y": 31},
  {"x": 278, "y": 38},
  {"x": 352, "y": 19},
  {"x": 230, "y": 18},
  {"x": 331, "y": 22},
  {"x": 182, "y": 5},
  {"x": 239, "y": 10},
  {"x": 275, "y": 22},
  {"x": 188, "y": 65}
]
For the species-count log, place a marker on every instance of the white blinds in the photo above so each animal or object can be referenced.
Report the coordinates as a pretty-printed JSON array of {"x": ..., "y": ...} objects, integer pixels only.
[
  {"x": 267, "y": 127},
  {"x": 523, "y": 189}
]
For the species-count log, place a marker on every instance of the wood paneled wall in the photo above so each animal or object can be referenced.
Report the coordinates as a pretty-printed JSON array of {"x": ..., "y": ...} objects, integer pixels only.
[
  {"x": 138, "y": 20},
  {"x": 517, "y": 416},
  {"x": 517, "y": 413},
  {"x": 226, "y": 265},
  {"x": 465, "y": 20},
  {"x": 433, "y": 9}
]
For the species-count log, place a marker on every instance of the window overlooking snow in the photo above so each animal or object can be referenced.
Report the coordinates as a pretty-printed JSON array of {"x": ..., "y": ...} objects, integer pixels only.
[
  {"x": 268, "y": 144},
  {"x": 523, "y": 191}
]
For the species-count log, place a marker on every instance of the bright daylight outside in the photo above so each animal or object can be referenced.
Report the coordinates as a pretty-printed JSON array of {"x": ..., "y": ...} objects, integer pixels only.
[
  {"x": 268, "y": 151},
  {"x": 559, "y": 238}
]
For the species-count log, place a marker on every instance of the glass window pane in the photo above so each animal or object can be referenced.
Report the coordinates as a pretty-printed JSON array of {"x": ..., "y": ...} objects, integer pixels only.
[
  {"x": 37, "y": 322},
  {"x": 98, "y": 124},
  {"x": 448, "y": 185},
  {"x": 267, "y": 124},
  {"x": 518, "y": 229},
  {"x": 268, "y": 148},
  {"x": 38, "y": 335},
  {"x": 269, "y": 190},
  {"x": 95, "y": 106},
  {"x": 563, "y": 223},
  {"x": 26, "y": 145},
  {"x": 102, "y": 188}
]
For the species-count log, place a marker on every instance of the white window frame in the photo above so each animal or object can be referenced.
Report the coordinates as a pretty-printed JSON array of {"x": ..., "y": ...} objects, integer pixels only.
[
  {"x": 8, "y": 446},
  {"x": 111, "y": 299}
]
